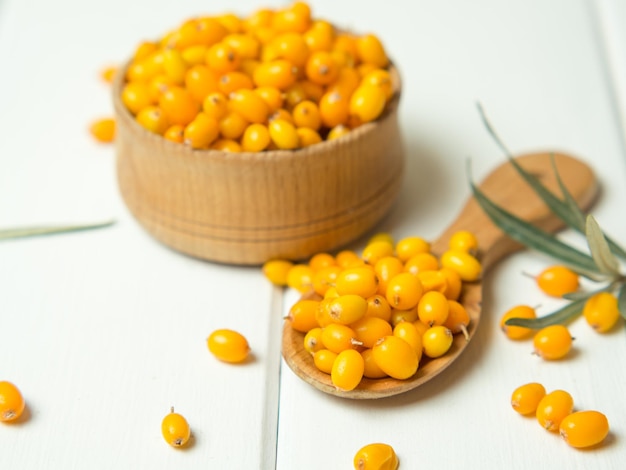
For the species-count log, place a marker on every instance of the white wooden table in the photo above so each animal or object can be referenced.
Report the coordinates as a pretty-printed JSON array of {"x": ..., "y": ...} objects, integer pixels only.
[{"x": 103, "y": 331}]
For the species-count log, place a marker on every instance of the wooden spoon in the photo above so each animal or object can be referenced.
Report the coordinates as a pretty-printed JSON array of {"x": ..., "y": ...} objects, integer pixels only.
[{"x": 506, "y": 188}]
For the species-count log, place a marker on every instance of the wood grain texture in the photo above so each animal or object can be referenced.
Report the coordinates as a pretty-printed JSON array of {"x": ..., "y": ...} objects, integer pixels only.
[
  {"x": 507, "y": 189},
  {"x": 245, "y": 208}
]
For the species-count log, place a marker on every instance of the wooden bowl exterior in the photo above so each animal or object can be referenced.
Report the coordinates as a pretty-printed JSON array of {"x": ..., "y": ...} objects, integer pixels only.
[{"x": 245, "y": 208}]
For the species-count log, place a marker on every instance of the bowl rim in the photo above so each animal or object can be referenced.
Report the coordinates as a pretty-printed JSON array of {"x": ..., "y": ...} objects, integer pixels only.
[{"x": 124, "y": 114}]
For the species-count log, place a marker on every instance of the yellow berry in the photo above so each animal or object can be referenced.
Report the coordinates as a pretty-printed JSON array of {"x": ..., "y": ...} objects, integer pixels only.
[
  {"x": 433, "y": 308},
  {"x": 377, "y": 306},
  {"x": 466, "y": 265},
  {"x": 367, "y": 102},
  {"x": 12, "y": 402},
  {"x": 376, "y": 457},
  {"x": 517, "y": 332},
  {"x": 557, "y": 281},
  {"x": 300, "y": 278},
  {"x": 463, "y": 240},
  {"x": 437, "y": 341},
  {"x": 371, "y": 51},
  {"x": 302, "y": 315},
  {"x": 283, "y": 134},
  {"x": 321, "y": 260},
  {"x": 347, "y": 309},
  {"x": 398, "y": 316},
  {"x": 369, "y": 330},
  {"x": 584, "y": 428},
  {"x": 458, "y": 319},
  {"x": 395, "y": 357},
  {"x": 228, "y": 345},
  {"x": 408, "y": 332},
  {"x": 375, "y": 251},
  {"x": 175, "y": 429},
  {"x": 360, "y": 280},
  {"x": 153, "y": 119},
  {"x": 313, "y": 340},
  {"x": 552, "y": 342},
  {"x": 347, "y": 370},
  {"x": 325, "y": 278},
  {"x": 386, "y": 268},
  {"x": 250, "y": 105},
  {"x": 453, "y": 283},
  {"x": 337, "y": 337},
  {"x": 226, "y": 145},
  {"x": 103, "y": 130},
  {"x": 276, "y": 271},
  {"x": 324, "y": 360},
  {"x": 421, "y": 262},
  {"x": 307, "y": 137},
  {"x": 179, "y": 105},
  {"x": 256, "y": 138},
  {"x": 381, "y": 79},
  {"x": 411, "y": 246},
  {"x": 553, "y": 408},
  {"x": 201, "y": 132},
  {"x": 136, "y": 96},
  {"x": 371, "y": 369},
  {"x": 404, "y": 291},
  {"x": 601, "y": 311},
  {"x": 526, "y": 398}
]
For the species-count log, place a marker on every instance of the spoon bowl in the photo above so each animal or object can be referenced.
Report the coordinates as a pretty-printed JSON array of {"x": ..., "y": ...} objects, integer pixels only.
[{"x": 507, "y": 188}]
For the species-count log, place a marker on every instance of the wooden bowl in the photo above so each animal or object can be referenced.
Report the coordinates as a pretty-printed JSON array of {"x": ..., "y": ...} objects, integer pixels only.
[{"x": 245, "y": 208}]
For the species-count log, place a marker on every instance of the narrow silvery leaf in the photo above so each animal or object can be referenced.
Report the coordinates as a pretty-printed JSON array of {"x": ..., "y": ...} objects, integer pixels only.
[
  {"x": 532, "y": 236},
  {"x": 560, "y": 316},
  {"x": 621, "y": 301},
  {"x": 23, "y": 232},
  {"x": 600, "y": 251},
  {"x": 577, "y": 215},
  {"x": 578, "y": 295}
]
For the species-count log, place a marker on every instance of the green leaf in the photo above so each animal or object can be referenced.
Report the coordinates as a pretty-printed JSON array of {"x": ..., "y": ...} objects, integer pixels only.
[
  {"x": 558, "y": 317},
  {"x": 600, "y": 251},
  {"x": 621, "y": 301},
  {"x": 578, "y": 295},
  {"x": 23, "y": 232},
  {"x": 532, "y": 236},
  {"x": 570, "y": 206}
]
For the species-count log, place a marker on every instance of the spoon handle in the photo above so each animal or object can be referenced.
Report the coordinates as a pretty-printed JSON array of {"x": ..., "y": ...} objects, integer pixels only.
[{"x": 508, "y": 189}]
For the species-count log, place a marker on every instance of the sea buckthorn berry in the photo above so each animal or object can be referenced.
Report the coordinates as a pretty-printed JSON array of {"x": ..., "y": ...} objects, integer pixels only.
[
  {"x": 222, "y": 58},
  {"x": 395, "y": 357},
  {"x": 201, "y": 132},
  {"x": 206, "y": 31},
  {"x": 347, "y": 370},
  {"x": 246, "y": 46},
  {"x": 433, "y": 308},
  {"x": 276, "y": 271},
  {"x": 231, "y": 82},
  {"x": 404, "y": 291},
  {"x": 300, "y": 278},
  {"x": 136, "y": 96},
  {"x": 601, "y": 311},
  {"x": 552, "y": 342},
  {"x": 379, "y": 78},
  {"x": 175, "y": 429},
  {"x": 463, "y": 240},
  {"x": 557, "y": 281},
  {"x": 103, "y": 130},
  {"x": 371, "y": 51},
  {"x": 322, "y": 260},
  {"x": 143, "y": 50},
  {"x": 553, "y": 408},
  {"x": 421, "y": 262},
  {"x": 258, "y": 19},
  {"x": 321, "y": 68},
  {"x": 466, "y": 265},
  {"x": 307, "y": 137},
  {"x": 369, "y": 330},
  {"x": 174, "y": 65},
  {"x": 295, "y": 19},
  {"x": 250, "y": 105},
  {"x": 385, "y": 268},
  {"x": 382, "y": 237},
  {"x": 347, "y": 309},
  {"x": 256, "y": 138},
  {"x": 195, "y": 55},
  {"x": 454, "y": 284},
  {"x": 359, "y": 280},
  {"x": 517, "y": 332},
  {"x": 159, "y": 85},
  {"x": 348, "y": 259},
  {"x": 325, "y": 278},
  {"x": 437, "y": 341},
  {"x": 433, "y": 281},
  {"x": 371, "y": 369},
  {"x": 376, "y": 457},
  {"x": 377, "y": 306},
  {"x": 294, "y": 95},
  {"x": 292, "y": 47},
  {"x": 367, "y": 103},
  {"x": 146, "y": 69},
  {"x": 408, "y": 332},
  {"x": 337, "y": 337},
  {"x": 331, "y": 292},
  {"x": 230, "y": 21},
  {"x": 346, "y": 43},
  {"x": 398, "y": 316},
  {"x": 175, "y": 133},
  {"x": 374, "y": 251},
  {"x": 411, "y": 246},
  {"x": 226, "y": 145},
  {"x": 324, "y": 360},
  {"x": 458, "y": 319},
  {"x": 307, "y": 114},
  {"x": 215, "y": 105},
  {"x": 283, "y": 134},
  {"x": 281, "y": 114},
  {"x": 313, "y": 340},
  {"x": 278, "y": 73},
  {"x": 526, "y": 398},
  {"x": 334, "y": 108},
  {"x": 233, "y": 125},
  {"x": 421, "y": 327},
  {"x": 178, "y": 105},
  {"x": 272, "y": 96},
  {"x": 337, "y": 131},
  {"x": 323, "y": 312},
  {"x": 12, "y": 402},
  {"x": 302, "y": 315},
  {"x": 320, "y": 36},
  {"x": 228, "y": 345},
  {"x": 584, "y": 428},
  {"x": 153, "y": 119},
  {"x": 200, "y": 81}
]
